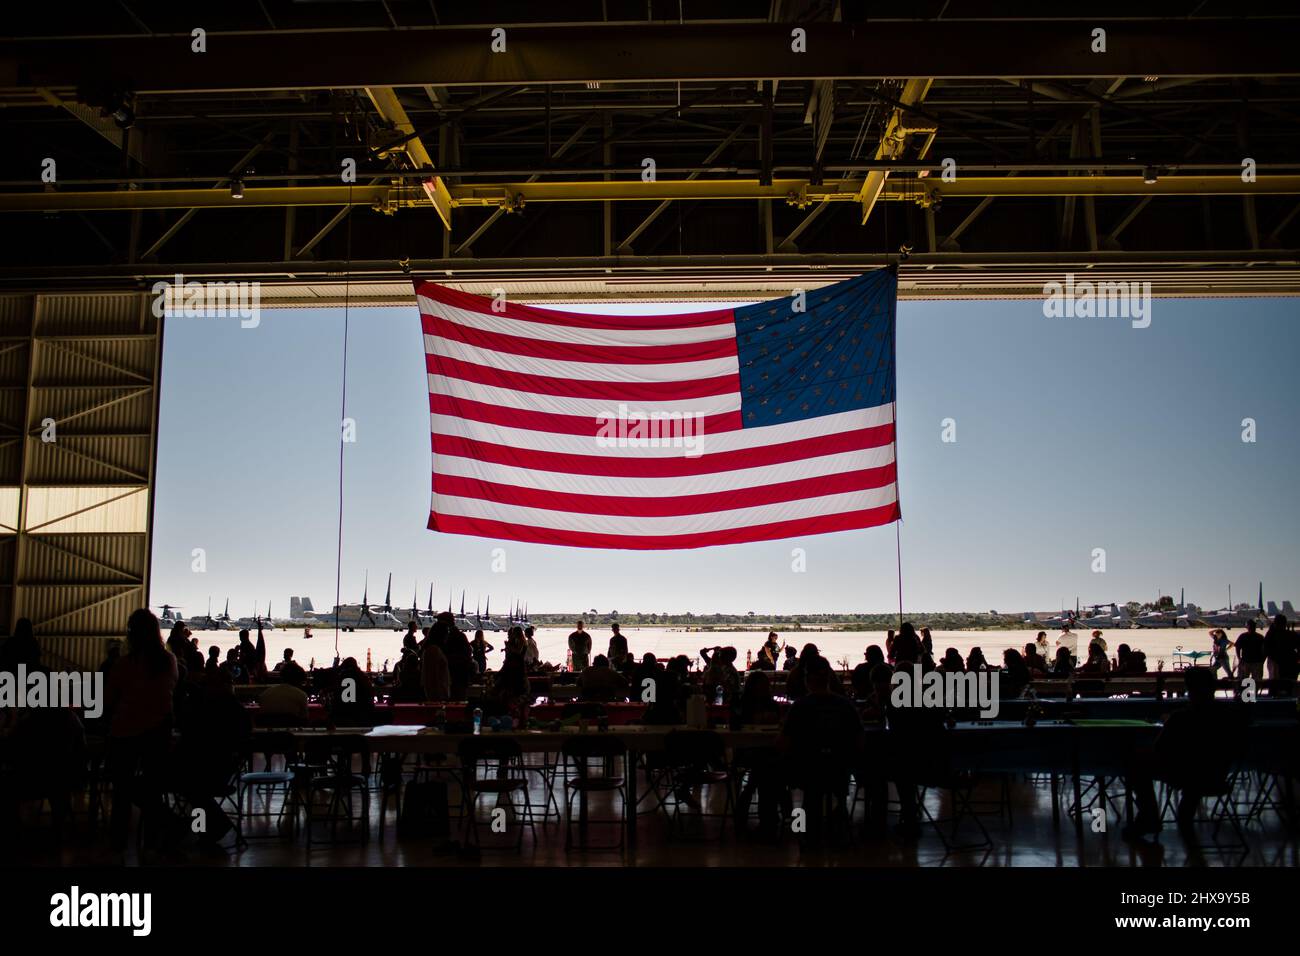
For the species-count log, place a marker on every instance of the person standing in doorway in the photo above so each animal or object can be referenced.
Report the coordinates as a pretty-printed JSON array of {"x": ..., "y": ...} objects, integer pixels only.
[{"x": 580, "y": 646}]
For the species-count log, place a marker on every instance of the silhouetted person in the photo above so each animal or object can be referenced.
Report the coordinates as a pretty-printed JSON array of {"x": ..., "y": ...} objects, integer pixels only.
[
  {"x": 617, "y": 652},
  {"x": 1219, "y": 644},
  {"x": 758, "y": 707},
  {"x": 21, "y": 647},
  {"x": 353, "y": 702},
  {"x": 112, "y": 655},
  {"x": 860, "y": 679},
  {"x": 1097, "y": 663},
  {"x": 213, "y": 740},
  {"x": 975, "y": 660},
  {"x": 791, "y": 659},
  {"x": 822, "y": 741},
  {"x": 189, "y": 661},
  {"x": 661, "y": 691},
  {"x": 532, "y": 656},
  {"x": 720, "y": 671},
  {"x": 600, "y": 682},
  {"x": 796, "y": 685},
  {"x": 580, "y": 648},
  {"x": 510, "y": 692},
  {"x": 1280, "y": 650},
  {"x": 247, "y": 656},
  {"x": 44, "y": 747},
  {"x": 258, "y": 670},
  {"x": 1193, "y": 754},
  {"x": 927, "y": 643},
  {"x": 233, "y": 667},
  {"x": 908, "y": 650},
  {"x": 138, "y": 698},
  {"x": 768, "y": 654},
  {"x": 1250, "y": 653},
  {"x": 435, "y": 675},
  {"x": 460, "y": 661},
  {"x": 1015, "y": 675},
  {"x": 290, "y": 671},
  {"x": 480, "y": 648},
  {"x": 952, "y": 662},
  {"x": 1036, "y": 663}
]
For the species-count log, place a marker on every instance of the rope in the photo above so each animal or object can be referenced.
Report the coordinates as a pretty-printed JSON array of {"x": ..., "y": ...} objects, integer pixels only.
[{"x": 338, "y": 558}]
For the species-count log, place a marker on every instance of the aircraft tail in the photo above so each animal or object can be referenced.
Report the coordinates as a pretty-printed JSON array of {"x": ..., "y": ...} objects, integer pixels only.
[
  {"x": 295, "y": 607},
  {"x": 1272, "y": 609},
  {"x": 1288, "y": 610}
]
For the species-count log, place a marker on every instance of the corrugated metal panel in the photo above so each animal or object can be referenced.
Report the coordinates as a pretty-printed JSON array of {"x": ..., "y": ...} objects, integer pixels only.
[
  {"x": 79, "y": 610},
  {"x": 15, "y": 314},
  {"x": 91, "y": 558},
  {"x": 100, "y": 314},
  {"x": 11, "y": 459},
  {"x": 94, "y": 374},
  {"x": 86, "y": 361},
  {"x": 7, "y": 548},
  {"x": 98, "y": 408},
  {"x": 13, "y": 363},
  {"x": 88, "y": 459},
  {"x": 75, "y": 653},
  {"x": 9, "y": 498},
  {"x": 87, "y": 510}
]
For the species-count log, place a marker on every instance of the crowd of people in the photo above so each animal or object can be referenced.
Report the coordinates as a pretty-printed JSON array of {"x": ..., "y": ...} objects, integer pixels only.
[{"x": 172, "y": 723}]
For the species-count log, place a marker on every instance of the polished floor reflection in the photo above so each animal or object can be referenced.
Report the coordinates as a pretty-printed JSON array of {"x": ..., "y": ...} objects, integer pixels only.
[{"x": 1003, "y": 820}]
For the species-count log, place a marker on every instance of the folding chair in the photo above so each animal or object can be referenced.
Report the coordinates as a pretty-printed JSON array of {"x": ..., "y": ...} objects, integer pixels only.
[
  {"x": 694, "y": 758},
  {"x": 581, "y": 751},
  {"x": 503, "y": 761},
  {"x": 330, "y": 784}
]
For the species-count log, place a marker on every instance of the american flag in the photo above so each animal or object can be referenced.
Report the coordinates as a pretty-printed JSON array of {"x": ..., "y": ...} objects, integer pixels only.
[{"x": 770, "y": 421}]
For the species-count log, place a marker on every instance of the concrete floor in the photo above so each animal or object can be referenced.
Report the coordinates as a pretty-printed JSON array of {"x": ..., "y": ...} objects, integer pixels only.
[{"x": 1029, "y": 838}]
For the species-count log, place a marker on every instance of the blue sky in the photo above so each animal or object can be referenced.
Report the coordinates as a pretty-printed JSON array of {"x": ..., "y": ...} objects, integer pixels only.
[{"x": 1071, "y": 434}]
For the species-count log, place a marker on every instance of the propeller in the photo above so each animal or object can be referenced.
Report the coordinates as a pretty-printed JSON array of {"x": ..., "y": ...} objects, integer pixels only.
[{"x": 365, "y": 602}]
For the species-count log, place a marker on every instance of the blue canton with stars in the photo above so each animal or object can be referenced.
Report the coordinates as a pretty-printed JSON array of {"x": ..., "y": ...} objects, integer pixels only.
[{"x": 836, "y": 356}]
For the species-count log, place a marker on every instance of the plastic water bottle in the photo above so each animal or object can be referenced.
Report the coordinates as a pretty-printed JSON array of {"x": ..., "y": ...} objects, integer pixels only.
[
  {"x": 478, "y": 720},
  {"x": 568, "y": 661},
  {"x": 717, "y": 695}
]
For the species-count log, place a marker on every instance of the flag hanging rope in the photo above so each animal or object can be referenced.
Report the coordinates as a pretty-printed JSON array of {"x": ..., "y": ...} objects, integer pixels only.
[
  {"x": 898, "y": 558},
  {"x": 347, "y": 299}
]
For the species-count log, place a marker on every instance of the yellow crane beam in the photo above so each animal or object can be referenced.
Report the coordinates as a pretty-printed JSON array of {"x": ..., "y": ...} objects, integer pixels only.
[
  {"x": 517, "y": 195},
  {"x": 893, "y": 142},
  {"x": 390, "y": 108}
]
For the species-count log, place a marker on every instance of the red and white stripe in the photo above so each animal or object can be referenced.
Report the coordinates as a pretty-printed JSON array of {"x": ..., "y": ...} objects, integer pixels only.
[{"x": 514, "y": 402}]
